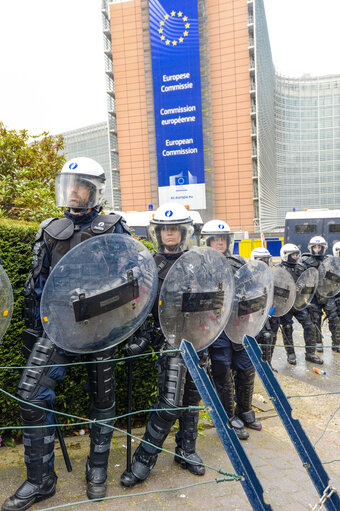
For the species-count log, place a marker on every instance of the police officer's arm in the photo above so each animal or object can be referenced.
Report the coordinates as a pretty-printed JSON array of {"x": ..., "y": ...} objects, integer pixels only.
[{"x": 40, "y": 268}]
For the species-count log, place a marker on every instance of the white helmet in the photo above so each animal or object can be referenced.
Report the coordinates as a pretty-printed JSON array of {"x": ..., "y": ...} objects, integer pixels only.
[
  {"x": 168, "y": 218},
  {"x": 287, "y": 250},
  {"x": 317, "y": 241},
  {"x": 261, "y": 254},
  {"x": 217, "y": 230},
  {"x": 80, "y": 185},
  {"x": 336, "y": 249}
]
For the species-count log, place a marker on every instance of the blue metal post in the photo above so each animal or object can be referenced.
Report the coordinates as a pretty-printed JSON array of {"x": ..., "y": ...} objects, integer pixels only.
[
  {"x": 229, "y": 439},
  {"x": 301, "y": 442}
]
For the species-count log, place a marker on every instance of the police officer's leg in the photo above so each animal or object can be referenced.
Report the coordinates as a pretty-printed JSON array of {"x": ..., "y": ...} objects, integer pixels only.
[
  {"x": 336, "y": 342},
  {"x": 287, "y": 335},
  {"x": 102, "y": 392},
  {"x": 244, "y": 389},
  {"x": 221, "y": 360},
  {"x": 187, "y": 434},
  {"x": 274, "y": 325},
  {"x": 171, "y": 377},
  {"x": 315, "y": 313},
  {"x": 333, "y": 323},
  {"x": 309, "y": 336},
  {"x": 36, "y": 387},
  {"x": 264, "y": 340}
]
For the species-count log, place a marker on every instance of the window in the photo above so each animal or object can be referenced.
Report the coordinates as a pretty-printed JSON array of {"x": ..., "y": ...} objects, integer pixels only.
[
  {"x": 334, "y": 228},
  {"x": 305, "y": 228}
]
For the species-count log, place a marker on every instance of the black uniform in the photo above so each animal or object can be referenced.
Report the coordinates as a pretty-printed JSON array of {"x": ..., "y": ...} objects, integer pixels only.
[
  {"x": 296, "y": 269},
  {"x": 320, "y": 304},
  {"x": 175, "y": 388},
  {"x": 232, "y": 370},
  {"x": 267, "y": 338},
  {"x": 37, "y": 386}
]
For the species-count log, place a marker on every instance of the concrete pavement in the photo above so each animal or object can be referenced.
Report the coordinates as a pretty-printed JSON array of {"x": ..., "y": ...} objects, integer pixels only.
[{"x": 285, "y": 481}]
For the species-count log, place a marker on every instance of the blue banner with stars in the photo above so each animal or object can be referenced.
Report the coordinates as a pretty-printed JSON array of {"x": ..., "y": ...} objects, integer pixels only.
[{"x": 177, "y": 101}]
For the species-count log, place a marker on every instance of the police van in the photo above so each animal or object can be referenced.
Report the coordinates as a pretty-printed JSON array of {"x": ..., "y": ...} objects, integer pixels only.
[{"x": 301, "y": 226}]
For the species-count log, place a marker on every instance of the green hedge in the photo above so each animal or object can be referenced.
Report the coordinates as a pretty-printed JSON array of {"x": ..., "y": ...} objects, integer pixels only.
[{"x": 16, "y": 242}]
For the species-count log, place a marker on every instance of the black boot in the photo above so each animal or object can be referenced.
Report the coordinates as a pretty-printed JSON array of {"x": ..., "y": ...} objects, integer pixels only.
[
  {"x": 96, "y": 465},
  {"x": 318, "y": 336},
  {"x": 186, "y": 444},
  {"x": 274, "y": 339},
  {"x": 310, "y": 336},
  {"x": 265, "y": 340},
  {"x": 313, "y": 357},
  {"x": 145, "y": 456},
  {"x": 287, "y": 335},
  {"x": 41, "y": 479},
  {"x": 225, "y": 389},
  {"x": 244, "y": 389}
]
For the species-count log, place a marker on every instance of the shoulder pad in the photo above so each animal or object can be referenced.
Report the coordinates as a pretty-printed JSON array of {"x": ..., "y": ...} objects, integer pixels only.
[
  {"x": 236, "y": 262},
  {"x": 42, "y": 226},
  {"x": 105, "y": 223},
  {"x": 122, "y": 222},
  {"x": 60, "y": 228}
]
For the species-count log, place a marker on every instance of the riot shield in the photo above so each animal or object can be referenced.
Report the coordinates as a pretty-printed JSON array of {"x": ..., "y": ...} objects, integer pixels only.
[
  {"x": 329, "y": 277},
  {"x": 306, "y": 286},
  {"x": 196, "y": 298},
  {"x": 253, "y": 299},
  {"x": 6, "y": 302},
  {"x": 284, "y": 290},
  {"x": 99, "y": 293}
]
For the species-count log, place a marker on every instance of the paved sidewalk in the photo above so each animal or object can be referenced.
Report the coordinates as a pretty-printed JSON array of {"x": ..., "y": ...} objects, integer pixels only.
[{"x": 285, "y": 482}]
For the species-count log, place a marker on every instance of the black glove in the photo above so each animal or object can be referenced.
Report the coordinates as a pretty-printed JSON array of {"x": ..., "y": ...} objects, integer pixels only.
[
  {"x": 138, "y": 346},
  {"x": 203, "y": 358}
]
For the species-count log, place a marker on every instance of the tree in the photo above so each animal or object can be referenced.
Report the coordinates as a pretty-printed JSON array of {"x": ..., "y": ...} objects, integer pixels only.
[{"x": 28, "y": 166}]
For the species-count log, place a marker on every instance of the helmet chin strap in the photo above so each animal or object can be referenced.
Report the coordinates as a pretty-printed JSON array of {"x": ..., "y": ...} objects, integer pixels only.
[
  {"x": 172, "y": 249},
  {"x": 78, "y": 210}
]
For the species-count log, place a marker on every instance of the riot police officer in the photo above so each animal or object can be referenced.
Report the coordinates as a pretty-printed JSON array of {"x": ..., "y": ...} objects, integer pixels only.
[
  {"x": 170, "y": 228},
  {"x": 268, "y": 336},
  {"x": 317, "y": 247},
  {"x": 230, "y": 364},
  {"x": 80, "y": 187},
  {"x": 290, "y": 255}
]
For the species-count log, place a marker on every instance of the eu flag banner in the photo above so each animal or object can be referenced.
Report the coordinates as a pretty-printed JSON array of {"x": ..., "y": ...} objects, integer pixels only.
[{"x": 177, "y": 101}]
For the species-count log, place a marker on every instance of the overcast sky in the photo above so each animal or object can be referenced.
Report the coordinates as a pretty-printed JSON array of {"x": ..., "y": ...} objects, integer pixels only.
[{"x": 52, "y": 65}]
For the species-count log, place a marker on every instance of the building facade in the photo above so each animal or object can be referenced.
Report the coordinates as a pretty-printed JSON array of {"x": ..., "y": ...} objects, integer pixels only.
[
  {"x": 271, "y": 143},
  {"x": 237, "y": 106},
  {"x": 307, "y": 120},
  {"x": 93, "y": 142}
]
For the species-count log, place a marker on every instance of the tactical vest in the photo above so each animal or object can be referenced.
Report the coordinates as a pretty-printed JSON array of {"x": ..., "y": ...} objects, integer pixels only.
[{"x": 61, "y": 234}]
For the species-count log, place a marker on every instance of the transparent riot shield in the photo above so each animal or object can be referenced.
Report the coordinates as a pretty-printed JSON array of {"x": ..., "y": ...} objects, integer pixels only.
[
  {"x": 99, "y": 293},
  {"x": 254, "y": 289},
  {"x": 329, "y": 277},
  {"x": 6, "y": 302},
  {"x": 306, "y": 286},
  {"x": 284, "y": 291},
  {"x": 196, "y": 298}
]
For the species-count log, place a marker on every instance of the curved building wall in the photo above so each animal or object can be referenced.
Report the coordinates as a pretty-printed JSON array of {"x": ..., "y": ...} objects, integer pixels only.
[
  {"x": 307, "y": 118},
  {"x": 263, "y": 128}
]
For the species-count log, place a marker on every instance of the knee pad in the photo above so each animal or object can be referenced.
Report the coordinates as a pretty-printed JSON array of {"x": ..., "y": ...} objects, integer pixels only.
[{"x": 32, "y": 415}]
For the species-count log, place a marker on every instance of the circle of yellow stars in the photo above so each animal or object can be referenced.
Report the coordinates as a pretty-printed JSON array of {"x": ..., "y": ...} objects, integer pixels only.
[{"x": 174, "y": 14}]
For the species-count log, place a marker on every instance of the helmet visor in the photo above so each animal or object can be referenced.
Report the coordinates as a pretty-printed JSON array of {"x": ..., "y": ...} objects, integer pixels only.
[
  {"x": 78, "y": 190},
  {"x": 223, "y": 242},
  {"x": 171, "y": 237}
]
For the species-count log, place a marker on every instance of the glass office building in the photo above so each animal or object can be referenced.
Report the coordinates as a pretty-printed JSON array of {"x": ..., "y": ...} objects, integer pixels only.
[
  {"x": 307, "y": 120},
  {"x": 93, "y": 142}
]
